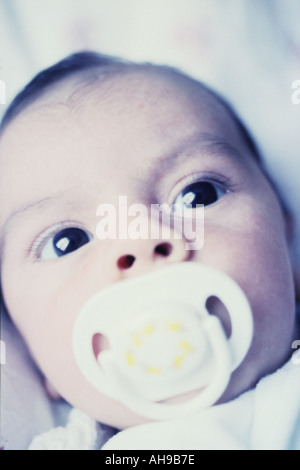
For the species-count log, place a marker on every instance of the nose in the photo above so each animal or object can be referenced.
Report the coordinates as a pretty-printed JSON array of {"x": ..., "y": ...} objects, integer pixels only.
[{"x": 135, "y": 257}]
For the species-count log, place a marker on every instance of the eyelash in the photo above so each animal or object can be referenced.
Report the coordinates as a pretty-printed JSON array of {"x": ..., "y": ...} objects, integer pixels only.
[
  {"x": 223, "y": 182},
  {"x": 35, "y": 249}
]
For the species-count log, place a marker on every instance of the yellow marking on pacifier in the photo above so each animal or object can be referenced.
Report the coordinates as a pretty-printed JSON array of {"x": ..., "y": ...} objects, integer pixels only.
[
  {"x": 130, "y": 359},
  {"x": 185, "y": 345},
  {"x": 174, "y": 326},
  {"x": 188, "y": 350},
  {"x": 137, "y": 340},
  {"x": 179, "y": 360},
  {"x": 149, "y": 329},
  {"x": 154, "y": 370}
]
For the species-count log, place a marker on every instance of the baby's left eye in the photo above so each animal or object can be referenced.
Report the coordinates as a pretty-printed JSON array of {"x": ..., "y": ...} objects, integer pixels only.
[
  {"x": 65, "y": 242},
  {"x": 200, "y": 192}
]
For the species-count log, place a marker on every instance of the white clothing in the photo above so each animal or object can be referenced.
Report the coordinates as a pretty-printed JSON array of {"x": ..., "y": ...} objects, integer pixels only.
[{"x": 265, "y": 418}]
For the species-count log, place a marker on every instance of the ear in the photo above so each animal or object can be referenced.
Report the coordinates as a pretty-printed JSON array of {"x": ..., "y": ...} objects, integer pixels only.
[{"x": 51, "y": 391}]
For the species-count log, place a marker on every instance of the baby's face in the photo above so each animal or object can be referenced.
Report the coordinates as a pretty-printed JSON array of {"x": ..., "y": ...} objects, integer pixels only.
[{"x": 152, "y": 139}]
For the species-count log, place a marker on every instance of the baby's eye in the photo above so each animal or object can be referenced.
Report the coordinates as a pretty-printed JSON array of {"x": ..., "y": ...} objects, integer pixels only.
[
  {"x": 200, "y": 192},
  {"x": 64, "y": 242}
]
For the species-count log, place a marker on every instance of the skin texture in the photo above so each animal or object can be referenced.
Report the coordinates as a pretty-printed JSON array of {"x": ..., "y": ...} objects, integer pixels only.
[{"x": 146, "y": 136}]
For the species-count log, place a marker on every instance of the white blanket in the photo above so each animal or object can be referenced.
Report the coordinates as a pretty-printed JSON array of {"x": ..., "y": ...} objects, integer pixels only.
[{"x": 266, "y": 418}]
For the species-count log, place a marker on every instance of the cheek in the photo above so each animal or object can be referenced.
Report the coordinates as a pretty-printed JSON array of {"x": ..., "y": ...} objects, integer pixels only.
[
  {"x": 44, "y": 310},
  {"x": 42, "y": 316},
  {"x": 249, "y": 243},
  {"x": 43, "y": 304},
  {"x": 253, "y": 250}
]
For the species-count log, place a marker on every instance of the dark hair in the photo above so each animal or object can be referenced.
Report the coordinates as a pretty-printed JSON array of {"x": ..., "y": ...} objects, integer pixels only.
[
  {"x": 75, "y": 63},
  {"x": 87, "y": 61}
]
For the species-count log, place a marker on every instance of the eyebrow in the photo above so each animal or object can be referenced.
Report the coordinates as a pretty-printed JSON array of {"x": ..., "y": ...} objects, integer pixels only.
[
  {"x": 200, "y": 142},
  {"x": 35, "y": 206}
]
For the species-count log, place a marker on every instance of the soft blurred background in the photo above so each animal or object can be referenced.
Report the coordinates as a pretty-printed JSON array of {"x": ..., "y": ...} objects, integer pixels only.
[{"x": 247, "y": 49}]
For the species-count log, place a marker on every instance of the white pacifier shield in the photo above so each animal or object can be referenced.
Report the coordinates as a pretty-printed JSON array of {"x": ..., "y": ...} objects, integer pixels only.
[{"x": 162, "y": 341}]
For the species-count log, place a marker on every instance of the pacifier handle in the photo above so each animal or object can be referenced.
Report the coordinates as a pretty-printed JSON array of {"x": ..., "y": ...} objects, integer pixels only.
[{"x": 240, "y": 315}]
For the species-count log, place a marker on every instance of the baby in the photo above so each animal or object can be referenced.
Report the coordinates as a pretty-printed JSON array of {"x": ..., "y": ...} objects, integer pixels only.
[{"x": 90, "y": 129}]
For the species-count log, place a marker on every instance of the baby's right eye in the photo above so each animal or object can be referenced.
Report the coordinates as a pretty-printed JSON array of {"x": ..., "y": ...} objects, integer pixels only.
[
  {"x": 64, "y": 242},
  {"x": 200, "y": 192}
]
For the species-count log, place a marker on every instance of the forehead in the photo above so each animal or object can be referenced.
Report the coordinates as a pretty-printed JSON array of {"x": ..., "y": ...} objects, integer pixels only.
[
  {"x": 156, "y": 98},
  {"x": 103, "y": 126}
]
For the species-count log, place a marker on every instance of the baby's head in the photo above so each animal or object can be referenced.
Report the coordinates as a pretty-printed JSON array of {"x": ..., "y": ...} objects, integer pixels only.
[{"x": 94, "y": 128}]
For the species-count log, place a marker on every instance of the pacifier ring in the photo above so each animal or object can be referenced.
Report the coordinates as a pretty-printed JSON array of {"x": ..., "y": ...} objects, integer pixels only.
[{"x": 163, "y": 335}]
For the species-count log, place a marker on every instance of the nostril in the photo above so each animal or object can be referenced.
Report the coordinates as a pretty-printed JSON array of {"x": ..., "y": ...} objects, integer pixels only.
[
  {"x": 126, "y": 261},
  {"x": 163, "y": 249}
]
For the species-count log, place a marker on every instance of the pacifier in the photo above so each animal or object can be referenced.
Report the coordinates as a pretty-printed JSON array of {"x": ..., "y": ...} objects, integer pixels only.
[{"x": 162, "y": 341}]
